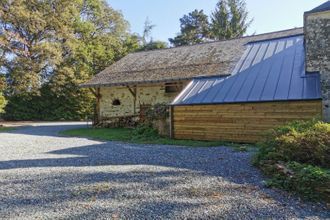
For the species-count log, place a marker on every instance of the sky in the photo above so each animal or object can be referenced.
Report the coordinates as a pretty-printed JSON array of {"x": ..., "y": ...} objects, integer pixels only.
[{"x": 268, "y": 15}]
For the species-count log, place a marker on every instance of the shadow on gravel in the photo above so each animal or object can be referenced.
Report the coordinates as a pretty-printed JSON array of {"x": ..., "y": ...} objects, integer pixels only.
[
  {"x": 146, "y": 195},
  {"x": 46, "y": 129},
  {"x": 221, "y": 161},
  {"x": 224, "y": 178}
]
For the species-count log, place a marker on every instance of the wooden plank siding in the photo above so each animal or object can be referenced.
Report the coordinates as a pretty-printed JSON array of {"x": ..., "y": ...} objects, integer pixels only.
[{"x": 244, "y": 122}]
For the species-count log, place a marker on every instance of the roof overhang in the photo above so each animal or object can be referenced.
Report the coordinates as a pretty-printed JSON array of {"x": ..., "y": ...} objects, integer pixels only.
[{"x": 132, "y": 83}]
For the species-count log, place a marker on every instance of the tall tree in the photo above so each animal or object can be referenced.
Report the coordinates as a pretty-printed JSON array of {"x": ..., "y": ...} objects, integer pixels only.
[
  {"x": 49, "y": 47},
  {"x": 229, "y": 20},
  {"x": 239, "y": 22},
  {"x": 31, "y": 33},
  {"x": 147, "y": 29},
  {"x": 147, "y": 42},
  {"x": 220, "y": 21},
  {"x": 194, "y": 29}
]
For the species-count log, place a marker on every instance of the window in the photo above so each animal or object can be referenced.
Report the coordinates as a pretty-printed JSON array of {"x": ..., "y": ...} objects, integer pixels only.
[
  {"x": 173, "y": 87},
  {"x": 116, "y": 102}
]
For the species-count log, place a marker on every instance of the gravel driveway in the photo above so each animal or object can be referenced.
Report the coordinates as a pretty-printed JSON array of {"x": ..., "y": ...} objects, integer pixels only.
[{"x": 43, "y": 175}]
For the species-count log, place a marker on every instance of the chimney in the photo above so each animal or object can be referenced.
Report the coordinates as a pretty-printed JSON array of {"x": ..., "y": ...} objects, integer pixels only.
[{"x": 317, "y": 47}]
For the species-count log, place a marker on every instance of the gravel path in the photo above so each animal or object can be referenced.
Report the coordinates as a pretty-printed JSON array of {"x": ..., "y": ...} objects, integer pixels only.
[{"x": 46, "y": 176}]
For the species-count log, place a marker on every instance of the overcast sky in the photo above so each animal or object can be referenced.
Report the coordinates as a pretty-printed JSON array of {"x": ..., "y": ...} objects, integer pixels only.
[{"x": 268, "y": 15}]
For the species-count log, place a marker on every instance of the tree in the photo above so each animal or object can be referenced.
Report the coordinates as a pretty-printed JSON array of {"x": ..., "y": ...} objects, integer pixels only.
[
  {"x": 146, "y": 41},
  {"x": 229, "y": 20},
  {"x": 194, "y": 29},
  {"x": 50, "y": 47},
  {"x": 147, "y": 29},
  {"x": 153, "y": 45},
  {"x": 30, "y": 36},
  {"x": 220, "y": 22}
]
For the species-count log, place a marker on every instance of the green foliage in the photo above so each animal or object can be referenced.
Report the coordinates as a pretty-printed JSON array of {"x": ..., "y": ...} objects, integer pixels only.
[
  {"x": 309, "y": 181},
  {"x": 300, "y": 141},
  {"x": 220, "y": 21},
  {"x": 194, "y": 29},
  {"x": 145, "y": 132},
  {"x": 297, "y": 158},
  {"x": 153, "y": 45},
  {"x": 228, "y": 20},
  {"x": 50, "y": 47},
  {"x": 49, "y": 105},
  {"x": 3, "y": 103}
]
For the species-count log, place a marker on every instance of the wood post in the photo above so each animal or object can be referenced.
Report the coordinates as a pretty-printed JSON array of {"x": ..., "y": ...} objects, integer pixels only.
[
  {"x": 97, "y": 94},
  {"x": 133, "y": 92}
]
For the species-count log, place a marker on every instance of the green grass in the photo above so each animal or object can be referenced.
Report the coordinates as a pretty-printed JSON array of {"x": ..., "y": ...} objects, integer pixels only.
[
  {"x": 127, "y": 135},
  {"x": 5, "y": 129}
]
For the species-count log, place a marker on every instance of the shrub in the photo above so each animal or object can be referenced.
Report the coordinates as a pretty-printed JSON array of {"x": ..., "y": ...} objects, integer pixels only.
[
  {"x": 48, "y": 105},
  {"x": 297, "y": 157},
  {"x": 304, "y": 142},
  {"x": 309, "y": 181},
  {"x": 144, "y": 132}
]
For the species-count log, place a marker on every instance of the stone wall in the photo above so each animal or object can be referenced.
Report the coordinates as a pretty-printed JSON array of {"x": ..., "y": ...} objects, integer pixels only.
[
  {"x": 145, "y": 95},
  {"x": 317, "y": 42}
]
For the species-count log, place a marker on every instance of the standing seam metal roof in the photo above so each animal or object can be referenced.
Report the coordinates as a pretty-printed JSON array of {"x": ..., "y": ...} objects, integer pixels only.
[
  {"x": 180, "y": 63},
  {"x": 270, "y": 70}
]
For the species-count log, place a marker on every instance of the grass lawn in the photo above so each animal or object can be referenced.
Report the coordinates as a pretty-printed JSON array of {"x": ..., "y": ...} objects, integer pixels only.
[
  {"x": 127, "y": 135},
  {"x": 4, "y": 129}
]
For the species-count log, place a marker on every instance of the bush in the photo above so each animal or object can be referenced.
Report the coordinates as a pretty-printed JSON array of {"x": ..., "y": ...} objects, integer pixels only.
[
  {"x": 303, "y": 142},
  {"x": 49, "y": 105},
  {"x": 309, "y": 181},
  {"x": 297, "y": 158},
  {"x": 145, "y": 132}
]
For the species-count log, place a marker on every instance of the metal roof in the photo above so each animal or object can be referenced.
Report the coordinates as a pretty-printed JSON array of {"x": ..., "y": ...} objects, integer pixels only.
[
  {"x": 185, "y": 62},
  {"x": 270, "y": 70}
]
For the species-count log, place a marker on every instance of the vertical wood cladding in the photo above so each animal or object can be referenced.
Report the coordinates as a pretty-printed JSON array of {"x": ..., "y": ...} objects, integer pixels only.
[{"x": 245, "y": 122}]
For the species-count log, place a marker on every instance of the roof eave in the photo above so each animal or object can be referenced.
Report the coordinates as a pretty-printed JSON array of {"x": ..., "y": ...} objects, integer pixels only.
[
  {"x": 86, "y": 85},
  {"x": 246, "y": 102}
]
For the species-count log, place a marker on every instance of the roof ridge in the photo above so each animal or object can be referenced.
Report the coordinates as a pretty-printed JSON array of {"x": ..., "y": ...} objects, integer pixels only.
[{"x": 217, "y": 41}]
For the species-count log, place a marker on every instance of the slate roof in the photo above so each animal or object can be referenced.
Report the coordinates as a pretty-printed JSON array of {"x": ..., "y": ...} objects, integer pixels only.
[
  {"x": 180, "y": 63},
  {"x": 271, "y": 70},
  {"x": 324, "y": 7}
]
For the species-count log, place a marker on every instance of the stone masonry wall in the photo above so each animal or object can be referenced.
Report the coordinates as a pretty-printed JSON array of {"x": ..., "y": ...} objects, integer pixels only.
[
  {"x": 317, "y": 42},
  {"x": 146, "y": 95}
]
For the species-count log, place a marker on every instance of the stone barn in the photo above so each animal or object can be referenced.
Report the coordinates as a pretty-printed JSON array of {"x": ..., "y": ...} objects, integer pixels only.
[{"x": 226, "y": 90}]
